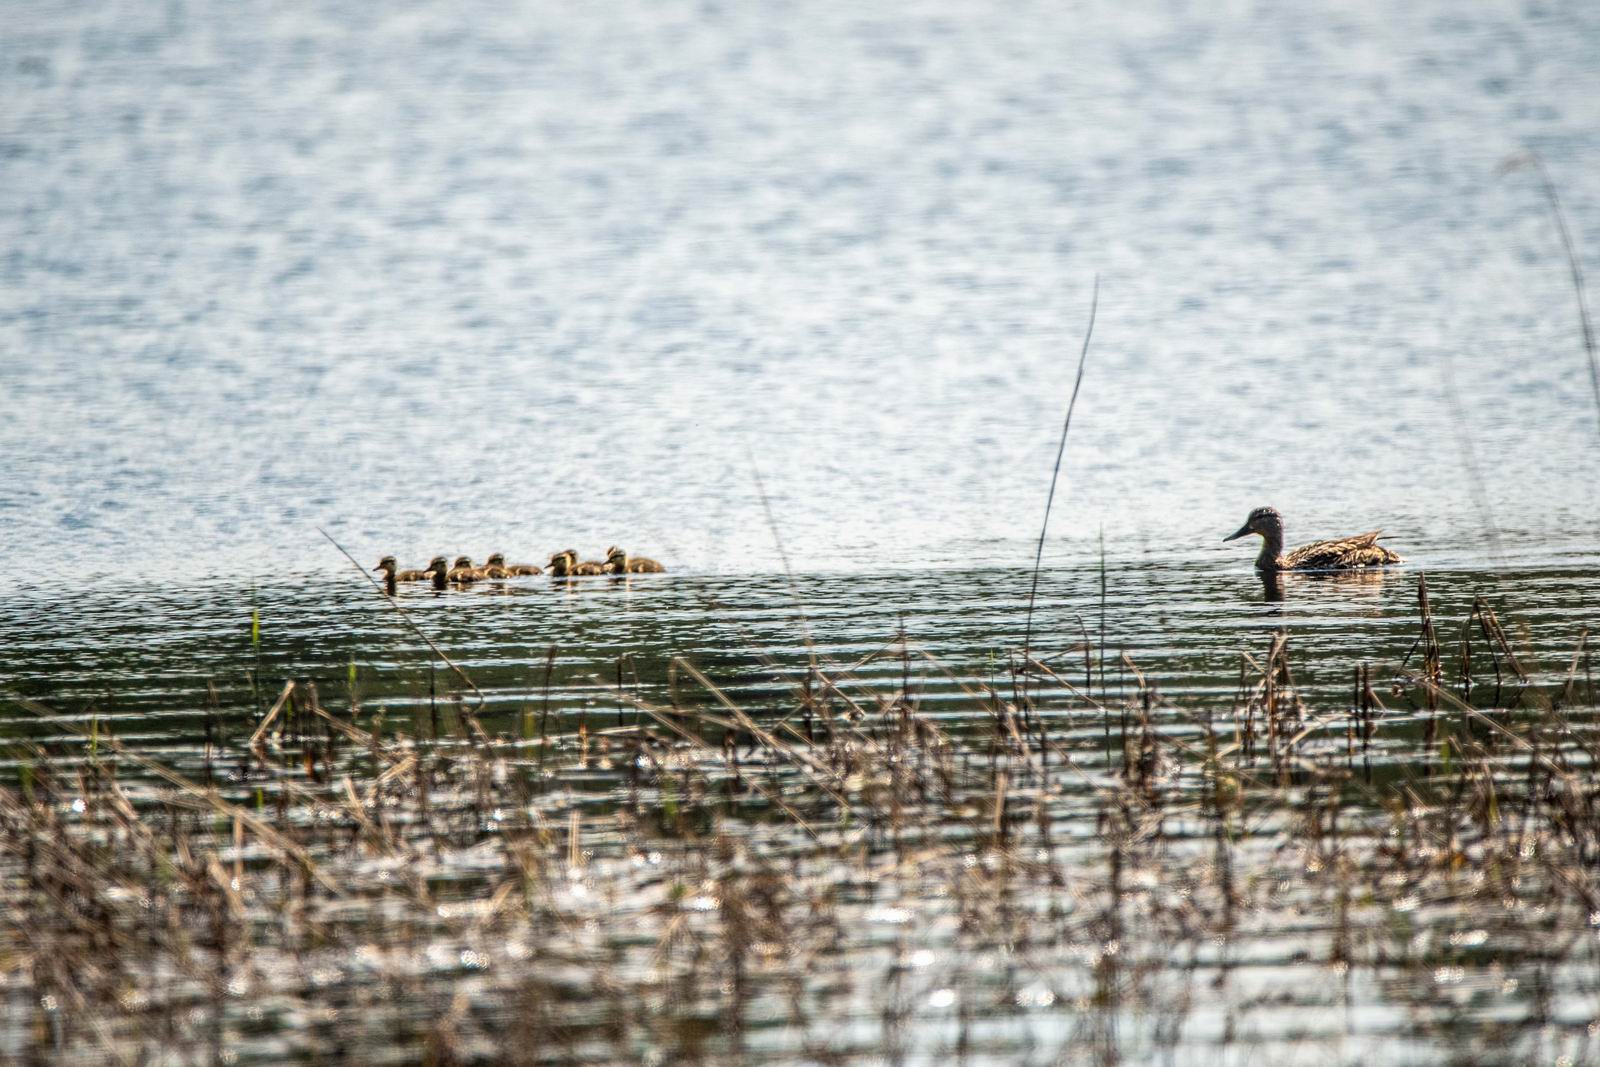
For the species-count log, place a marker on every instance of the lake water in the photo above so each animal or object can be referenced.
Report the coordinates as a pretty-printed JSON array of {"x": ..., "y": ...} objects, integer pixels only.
[
  {"x": 479, "y": 277},
  {"x": 518, "y": 276}
]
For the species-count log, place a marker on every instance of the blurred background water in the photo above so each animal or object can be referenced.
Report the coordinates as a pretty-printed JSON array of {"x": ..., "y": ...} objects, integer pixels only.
[{"x": 474, "y": 276}]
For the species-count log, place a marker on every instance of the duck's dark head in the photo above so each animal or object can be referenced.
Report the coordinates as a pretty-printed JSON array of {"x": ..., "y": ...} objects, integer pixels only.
[
  {"x": 464, "y": 561},
  {"x": 387, "y": 563},
  {"x": 615, "y": 553},
  {"x": 497, "y": 560},
  {"x": 1264, "y": 521}
]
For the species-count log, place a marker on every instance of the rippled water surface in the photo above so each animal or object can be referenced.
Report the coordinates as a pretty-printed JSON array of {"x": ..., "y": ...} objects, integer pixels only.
[
  {"x": 749, "y": 820},
  {"x": 437, "y": 276}
]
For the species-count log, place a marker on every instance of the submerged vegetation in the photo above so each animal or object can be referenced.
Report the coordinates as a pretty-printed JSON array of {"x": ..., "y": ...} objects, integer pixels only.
[{"x": 896, "y": 856}]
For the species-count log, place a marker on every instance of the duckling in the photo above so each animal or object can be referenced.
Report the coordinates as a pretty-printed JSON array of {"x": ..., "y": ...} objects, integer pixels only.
[
  {"x": 619, "y": 562},
  {"x": 514, "y": 570},
  {"x": 495, "y": 567},
  {"x": 521, "y": 570},
  {"x": 588, "y": 566},
  {"x": 463, "y": 572},
  {"x": 565, "y": 563},
  {"x": 386, "y": 565},
  {"x": 440, "y": 570},
  {"x": 1345, "y": 553}
]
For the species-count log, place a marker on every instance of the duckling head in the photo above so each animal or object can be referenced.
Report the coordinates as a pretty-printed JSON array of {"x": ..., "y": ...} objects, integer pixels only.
[
  {"x": 387, "y": 563},
  {"x": 463, "y": 561},
  {"x": 1264, "y": 521},
  {"x": 497, "y": 560},
  {"x": 615, "y": 553}
]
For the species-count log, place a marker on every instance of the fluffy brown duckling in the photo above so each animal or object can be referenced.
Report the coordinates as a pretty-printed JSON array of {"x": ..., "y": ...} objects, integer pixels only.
[
  {"x": 462, "y": 571},
  {"x": 494, "y": 568},
  {"x": 387, "y": 564},
  {"x": 513, "y": 570},
  {"x": 1345, "y": 553},
  {"x": 565, "y": 563},
  {"x": 439, "y": 570},
  {"x": 588, "y": 566},
  {"x": 619, "y": 562}
]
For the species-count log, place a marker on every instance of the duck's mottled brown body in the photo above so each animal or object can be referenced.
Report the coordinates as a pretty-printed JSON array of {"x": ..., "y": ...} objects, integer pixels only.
[{"x": 1345, "y": 553}]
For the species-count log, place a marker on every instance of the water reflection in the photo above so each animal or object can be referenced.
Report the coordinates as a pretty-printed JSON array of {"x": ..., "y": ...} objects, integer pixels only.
[{"x": 1351, "y": 585}]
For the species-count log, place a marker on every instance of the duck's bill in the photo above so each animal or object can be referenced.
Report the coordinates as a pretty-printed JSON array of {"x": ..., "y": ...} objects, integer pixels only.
[{"x": 1241, "y": 532}]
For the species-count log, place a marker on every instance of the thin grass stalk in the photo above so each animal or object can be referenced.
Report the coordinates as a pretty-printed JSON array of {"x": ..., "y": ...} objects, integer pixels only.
[
  {"x": 1574, "y": 266},
  {"x": 1055, "y": 473}
]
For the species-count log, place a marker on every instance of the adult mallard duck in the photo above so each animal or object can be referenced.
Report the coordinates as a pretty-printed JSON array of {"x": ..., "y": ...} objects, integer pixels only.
[
  {"x": 619, "y": 562},
  {"x": 1345, "y": 553}
]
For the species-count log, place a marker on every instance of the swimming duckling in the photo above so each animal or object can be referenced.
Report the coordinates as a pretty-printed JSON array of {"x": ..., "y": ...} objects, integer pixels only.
[
  {"x": 440, "y": 570},
  {"x": 386, "y": 565},
  {"x": 619, "y": 562},
  {"x": 494, "y": 568},
  {"x": 588, "y": 566},
  {"x": 565, "y": 563},
  {"x": 1345, "y": 553},
  {"x": 513, "y": 570},
  {"x": 462, "y": 571}
]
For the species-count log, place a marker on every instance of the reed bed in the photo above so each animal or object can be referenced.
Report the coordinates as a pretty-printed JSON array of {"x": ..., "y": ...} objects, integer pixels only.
[{"x": 833, "y": 872}]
